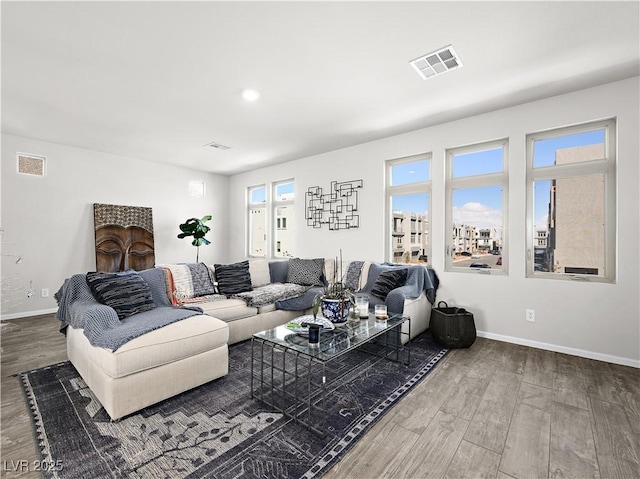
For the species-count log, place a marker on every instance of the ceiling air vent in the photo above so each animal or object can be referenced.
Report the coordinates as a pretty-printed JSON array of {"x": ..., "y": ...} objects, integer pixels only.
[
  {"x": 213, "y": 144},
  {"x": 435, "y": 63},
  {"x": 31, "y": 164}
]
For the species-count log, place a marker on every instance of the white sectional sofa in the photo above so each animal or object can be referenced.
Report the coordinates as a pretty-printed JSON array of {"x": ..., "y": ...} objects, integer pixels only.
[{"x": 182, "y": 355}]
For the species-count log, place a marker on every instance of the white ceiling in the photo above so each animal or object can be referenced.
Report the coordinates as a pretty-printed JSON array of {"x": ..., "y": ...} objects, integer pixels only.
[{"x": 158, "y": 80}]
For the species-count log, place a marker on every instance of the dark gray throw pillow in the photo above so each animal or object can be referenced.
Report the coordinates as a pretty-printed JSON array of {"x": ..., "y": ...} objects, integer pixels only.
[
  {"x": 388, "y": 281},
  {"x": 233, "y": 278},
  {"x": 306, "y": 272},
  {"x": 125, "y": 292}
]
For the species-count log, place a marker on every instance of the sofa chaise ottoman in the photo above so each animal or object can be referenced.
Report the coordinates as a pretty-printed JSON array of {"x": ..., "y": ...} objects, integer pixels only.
[
  {"x": 154, "y": 366},
  {"x": 181, "y": 349}
]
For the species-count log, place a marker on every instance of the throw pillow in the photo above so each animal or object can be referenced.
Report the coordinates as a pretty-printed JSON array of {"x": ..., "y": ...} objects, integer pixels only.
[
  {"x": 233, "y": 278},
  {"x": 352, "y": 275},
  {"x": 155, "y": 278},
  {"x": 278, "y": 271},
  {"x": 388, "y": 281},
  {"x": 191, "y": 280},
  {"x": 202, "y": 280},
  {"x": 259, "y": 271},
  {"x": 127, "y": 293},
  {"x": 306, "y": 272}
]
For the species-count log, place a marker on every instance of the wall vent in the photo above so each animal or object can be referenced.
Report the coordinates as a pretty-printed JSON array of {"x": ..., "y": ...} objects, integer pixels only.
[
  {"x": 197, "y": 189},
  {"x": 213, "y": 144},
  {"x": 435, "y": 63},
  {"x": 31, "y": 164}
]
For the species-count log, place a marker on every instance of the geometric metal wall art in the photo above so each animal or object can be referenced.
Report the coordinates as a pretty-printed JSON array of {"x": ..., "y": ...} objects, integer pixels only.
[
  {"x": 337, "y": 208},
  {"x": 124, "y": 237}
]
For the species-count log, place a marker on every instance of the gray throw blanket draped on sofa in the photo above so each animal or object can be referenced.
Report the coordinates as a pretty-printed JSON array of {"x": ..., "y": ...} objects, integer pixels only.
[
  {"x": 271, "y": 293},
  {"x": 78, "y": 308}
]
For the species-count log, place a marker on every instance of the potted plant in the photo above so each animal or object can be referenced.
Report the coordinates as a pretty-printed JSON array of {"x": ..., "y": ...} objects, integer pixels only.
[
  {"x": 196, "y": 227},
  {"x": 335, "y": 302}
]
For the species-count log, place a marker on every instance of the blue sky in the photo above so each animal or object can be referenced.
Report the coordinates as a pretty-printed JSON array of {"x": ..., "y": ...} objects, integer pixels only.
[
  {"x": 477, "y": 206},
  {"x": 483, "y": 206},
  {"x": 545, "y": 150},
  {"x": 258, "y": 194}
]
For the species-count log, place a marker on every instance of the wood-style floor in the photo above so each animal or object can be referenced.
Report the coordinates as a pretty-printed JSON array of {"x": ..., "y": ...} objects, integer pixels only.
[{"x": 495, "y": 410}]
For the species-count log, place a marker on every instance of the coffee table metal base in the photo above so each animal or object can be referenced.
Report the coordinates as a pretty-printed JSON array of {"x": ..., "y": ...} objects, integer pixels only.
[
  {"x": 290, "y": 382},
  {"x": 294, "y": 381}
]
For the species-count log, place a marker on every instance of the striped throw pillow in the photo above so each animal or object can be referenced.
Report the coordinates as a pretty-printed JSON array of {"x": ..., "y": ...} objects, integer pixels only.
[
  {"x": 125, "y": 292},
  {"x": 388, "y": 281},
  {"x": 233, "y": 278}
]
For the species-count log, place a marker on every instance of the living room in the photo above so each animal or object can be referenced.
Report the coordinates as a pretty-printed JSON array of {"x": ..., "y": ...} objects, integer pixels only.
[{"x": 47, "y": 222}]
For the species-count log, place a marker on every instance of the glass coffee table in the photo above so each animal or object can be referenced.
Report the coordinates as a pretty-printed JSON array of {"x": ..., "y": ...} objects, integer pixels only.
[{"x": 291, "y": 376}]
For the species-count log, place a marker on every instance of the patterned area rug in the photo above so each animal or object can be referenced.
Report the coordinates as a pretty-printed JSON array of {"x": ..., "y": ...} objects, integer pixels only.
[{"x": 216, "y": 430}]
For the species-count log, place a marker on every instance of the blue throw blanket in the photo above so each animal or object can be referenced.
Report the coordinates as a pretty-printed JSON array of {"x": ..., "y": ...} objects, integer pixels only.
[
  {"x": 301, "y": 303},
  {"x": 78, "y": 308},
  {"x": 419, "y": 279}
]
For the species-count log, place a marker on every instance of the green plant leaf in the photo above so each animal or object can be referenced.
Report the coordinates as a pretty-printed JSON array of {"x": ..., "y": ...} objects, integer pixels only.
[{"x": 195, "y": 227}]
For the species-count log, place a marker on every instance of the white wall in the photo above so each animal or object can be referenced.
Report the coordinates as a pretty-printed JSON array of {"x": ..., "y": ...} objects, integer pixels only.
[
  {"x": 596, "y": 320},
  {"x": 49, "y": 220}
]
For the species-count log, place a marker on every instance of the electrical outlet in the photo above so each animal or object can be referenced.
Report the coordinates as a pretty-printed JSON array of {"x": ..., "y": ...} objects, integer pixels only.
[
  {"x": 530, "y": 315},
  {"x": 44, "y": 293}
]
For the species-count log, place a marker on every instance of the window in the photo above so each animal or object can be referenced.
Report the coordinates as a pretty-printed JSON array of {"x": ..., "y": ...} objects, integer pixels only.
[
  {"x": 257, "y": 217},
  {"x": 476, "y": 208},
  {"x": 273, "y": 205},
  {"x": 408, "y": 189},
  {"x": 571, "y": 202},
  {"x": 283, "y": 212}
]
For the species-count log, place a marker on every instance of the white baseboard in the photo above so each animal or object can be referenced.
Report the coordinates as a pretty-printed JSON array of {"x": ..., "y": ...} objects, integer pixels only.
[
  {"x": 27, "y": 314},
  {"x": 562, "y": 349}
]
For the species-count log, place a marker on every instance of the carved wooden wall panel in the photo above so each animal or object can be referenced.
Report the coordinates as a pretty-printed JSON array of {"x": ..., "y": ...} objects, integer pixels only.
[{"x": 124, "y": 237}]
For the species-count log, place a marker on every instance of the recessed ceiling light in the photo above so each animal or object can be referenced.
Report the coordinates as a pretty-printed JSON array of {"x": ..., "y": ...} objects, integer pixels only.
[
  {"x": 435, "y": 63},
  {"x": 250, "y": 95}
]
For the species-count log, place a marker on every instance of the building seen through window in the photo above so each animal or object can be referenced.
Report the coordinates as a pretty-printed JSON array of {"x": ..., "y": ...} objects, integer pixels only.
[
  {"x": 573, "y": 182},
  {"x": 476, "y": 202},
  {"x": 408, "y": 190}
]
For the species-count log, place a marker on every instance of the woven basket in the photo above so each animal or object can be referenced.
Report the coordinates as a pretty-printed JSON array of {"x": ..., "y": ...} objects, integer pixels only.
[{"x": 452, "y": 327}]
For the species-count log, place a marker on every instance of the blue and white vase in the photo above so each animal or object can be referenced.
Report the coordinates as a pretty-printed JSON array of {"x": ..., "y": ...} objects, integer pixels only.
[{"x": 335, "y": 310}]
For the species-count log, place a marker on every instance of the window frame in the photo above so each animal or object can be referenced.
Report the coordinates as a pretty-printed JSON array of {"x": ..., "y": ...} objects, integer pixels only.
[
  {"x": 251, "y": 206},
  {"x": 275, "y": 204},
  {"x": 605, "y": 166},
  {"x": 418, "y": 187},
  {"x": 477, "y": 181}
]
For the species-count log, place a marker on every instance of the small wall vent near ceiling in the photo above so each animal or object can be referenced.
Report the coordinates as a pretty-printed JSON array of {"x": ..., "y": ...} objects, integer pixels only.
[
  {"x": 31, "y": 164},
  {"x": 435, "y": 63},
  {"x": 218, "y": 146},
  {"x": 197, "y": 189}
]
